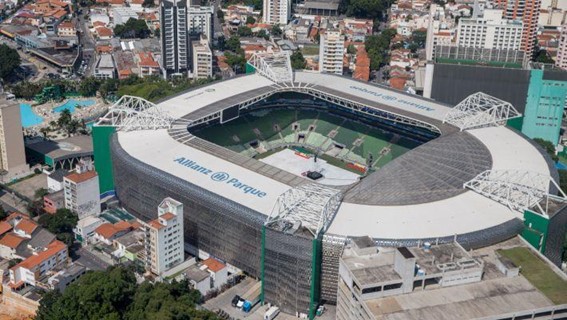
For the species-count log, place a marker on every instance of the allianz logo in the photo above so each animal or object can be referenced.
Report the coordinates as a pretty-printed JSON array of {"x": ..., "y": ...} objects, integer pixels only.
[{"x": 220, "y": 176}]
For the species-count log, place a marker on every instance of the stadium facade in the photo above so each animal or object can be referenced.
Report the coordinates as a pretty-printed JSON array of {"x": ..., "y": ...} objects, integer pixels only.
[{"x": 467, "y": 182}]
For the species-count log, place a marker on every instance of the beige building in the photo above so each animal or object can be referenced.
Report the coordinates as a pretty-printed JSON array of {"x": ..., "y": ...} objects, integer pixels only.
[
  {"x": 561, "y": 60},
  {"x": 164, "y": 237},
  {"x": 331, "y": 52},
  {"x": 12, "y": 153},
  {"x": 202, "y": 59}
]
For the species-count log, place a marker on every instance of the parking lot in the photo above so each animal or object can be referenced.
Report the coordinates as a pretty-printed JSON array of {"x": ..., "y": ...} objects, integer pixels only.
[{"x": 223, "y": 302}]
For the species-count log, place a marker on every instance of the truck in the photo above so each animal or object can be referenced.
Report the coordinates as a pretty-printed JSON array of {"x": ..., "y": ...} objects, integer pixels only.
[
  {"x": 251, "y": 297},
  {"x": 271, "y": 313}
]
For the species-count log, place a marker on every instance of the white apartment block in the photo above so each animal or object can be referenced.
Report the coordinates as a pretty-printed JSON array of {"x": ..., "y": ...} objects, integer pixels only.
[
  {"x": 12, "y": 154},
  {"x": 276, "y": 11},
  {"x": 561, "y": 60},
  {"x": 164, "y": 240},
  {"x": 331, "y": 52},
  {"x": 82, "y": 191},
  {"x": 174, "y": 37},
  {"x": 37, "y": 267},
  {"x": 199, "y": 20},
  {"x": 202, "y": 59},
  {"x": 490, "y": 32}
]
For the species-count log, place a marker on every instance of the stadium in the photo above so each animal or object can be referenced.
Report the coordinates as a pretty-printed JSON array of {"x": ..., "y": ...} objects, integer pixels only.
[{"x": 277, "y": 169}]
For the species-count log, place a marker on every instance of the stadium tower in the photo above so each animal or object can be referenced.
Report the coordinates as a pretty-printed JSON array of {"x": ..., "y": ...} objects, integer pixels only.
[{"x": 174, "y": 37}]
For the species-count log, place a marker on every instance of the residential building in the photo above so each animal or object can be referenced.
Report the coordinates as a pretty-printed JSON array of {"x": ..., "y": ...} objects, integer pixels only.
[
  {"x": 62, "y": 279},
  {"x": 561, "y": 60},
  {"x": 105, "y": 67},
  {"x": 164, "y": 237},
  {"x": 331, "y": 52},
  {"x": 85, "y": 229},
  {"x": 12, "y": 154},
  {"x": 276, "y": 11},
  {"x": 147, "y": 65},
  {"x": 490, "y": 32},
  {"x": 174, "y": 37},
  {"x": 129, "y": 246},
  {"x": 202, "y": 59},
  {"x": 108, "y": 232},
  {"x": 198, "y": 278},
  {"x": 527, "y": 11},
  {"x": 199, "y": 21},
  {"x": 37, "y": 267},
  {"x": 55, "y": 180},
  {"x": 218, "y": 272},
  {"x": 66, "y": 29},
  {"x": 54, "y": 201},
  {"x": 82, "y": 190}
]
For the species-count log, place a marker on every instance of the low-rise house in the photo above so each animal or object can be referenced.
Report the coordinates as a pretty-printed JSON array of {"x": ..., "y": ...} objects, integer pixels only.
[
  {"x": 129, "y": 246},
  {"x": 147, "y": 65},
  {"x": 218, "y": 272},
  {"x": 198, "y": 279},
  {"x": 85, "y": 229},
  {"x": 35, "y": 268},
  {"x": 54, "y": 201},
  {"x": 66, "y": 29},
  {"x": 62, "y": 279},
  {"x": 107, "y": 232}
]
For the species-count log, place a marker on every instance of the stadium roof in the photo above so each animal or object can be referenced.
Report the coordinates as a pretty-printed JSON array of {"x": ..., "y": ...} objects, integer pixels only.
[{"x": 418, "y": 195}]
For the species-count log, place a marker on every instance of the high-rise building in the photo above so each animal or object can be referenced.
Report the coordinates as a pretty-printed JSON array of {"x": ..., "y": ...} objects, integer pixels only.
[
  {"x": 82, "y": 190},
  {"x": 490, "y": 31},
  {"x": 331, "y": 52},
  {"x": 200, "y": 21},
  {"x": 164, "y": 237},
  {"x": 561, "y": 59},
  {"x": 174, "y": 37},
  {"x": 12, "y": 153},
  {"x": 202, "y": 59},
  {"x": 528, "y": 11},
  {"x": 276, "y": 11}
]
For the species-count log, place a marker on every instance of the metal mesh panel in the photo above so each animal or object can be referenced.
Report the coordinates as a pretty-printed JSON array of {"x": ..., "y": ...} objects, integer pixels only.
[
  {"x": 214, "y": 224},
  {"x": 287, "y": 271},
  {"x": 556, "y": 237},
  {"x": 332, "y": 251}
]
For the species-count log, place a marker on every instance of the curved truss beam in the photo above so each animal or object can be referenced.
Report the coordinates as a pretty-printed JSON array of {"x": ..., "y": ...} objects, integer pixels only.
[
  {"x": 134, "y": 113},
  {"x": 313, "y": 204},
  {"x": 519, "y": 190},
  {"x": 275, "y": 66},
  {"x": 480, "y": 110}
]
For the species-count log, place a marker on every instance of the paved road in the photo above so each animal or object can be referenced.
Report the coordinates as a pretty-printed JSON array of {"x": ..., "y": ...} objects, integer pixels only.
[
  {"x": 89, "y": 259},
  {"x": 88, "y": 43}
]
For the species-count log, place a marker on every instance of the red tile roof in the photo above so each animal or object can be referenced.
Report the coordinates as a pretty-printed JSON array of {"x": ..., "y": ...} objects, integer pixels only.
[
  {"x": 155, "y": 224},
  {"x": 27, "y": 226},
  {"x": 11, "y": 240},
  {"x": 214, "y": 265},
  {"x": 52, "y": 249},
  {"x": 398, "y": 83},
  {"x": 122, "y": 225},
  {"x": 108, "y": 230},
  {"x": 147, "y": 60},
  {"x": 362, "y": 70},
  {"x": 81, "y": 177},
  {"x": 4, "y": 227},
  {"x": 104, "y": 32}
]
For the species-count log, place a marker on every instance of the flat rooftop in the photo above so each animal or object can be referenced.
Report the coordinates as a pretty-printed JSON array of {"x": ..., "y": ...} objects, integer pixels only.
[
  {"x": 495, "y": 294},
  {"x": 77, "y": 146}
]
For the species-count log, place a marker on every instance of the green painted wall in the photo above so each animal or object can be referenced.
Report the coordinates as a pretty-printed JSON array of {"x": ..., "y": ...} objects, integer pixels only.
[
  {"x": 516, "y": 123},
  {"x": 103, "y": 162},
  {"x": 315, "y": 277},
  {"x": 249, "y": 68},
  {"x": 535, "y": 231},
  {"x": 544, "y": 107}
]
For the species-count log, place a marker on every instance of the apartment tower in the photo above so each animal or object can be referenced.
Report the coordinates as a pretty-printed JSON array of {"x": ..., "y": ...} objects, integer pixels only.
[
  {"x": 528, "y": 12},
  {"x": 331, "y": 52},
  {"x": 174, "y": 38}
]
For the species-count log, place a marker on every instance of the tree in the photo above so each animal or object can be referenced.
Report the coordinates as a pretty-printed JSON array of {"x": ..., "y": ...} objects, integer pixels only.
[
  {"x": 233, "y": 43},
  {"x": 133, "y": 28},
  {"x": 114, "y": 294},
  {"x": 368, "y": 9},
  {"x": 89, "y": 86},
  {"x": 263, "y": 34},
  {"x": 543, "y": 57},
  {"x": 563, "y": 180},
  {"x": 276, "y": 30},
  {"x": 244, "y": 31},
  {"x": 378, "y": 46},
  {"x": 297, "y": 60},
  {"x": 9, "y": 62},
  {"x": 148, "y": 4},
  {"x": 250, "y": 20},
  {"x": 220, "y": 15},
  {"x": 3, "y": 213},
  {"x": 40, "y": 193},
  {"x": 61, "y": 223},
  {"x": 236, "y": 61},
  {"x": 548, "y": 147},
  {"x": 351, "y": 49}
]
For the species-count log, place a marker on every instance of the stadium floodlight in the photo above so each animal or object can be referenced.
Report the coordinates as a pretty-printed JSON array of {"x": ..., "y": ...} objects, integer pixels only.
[
  {"x": 135, "y": 113},
  {"x": 275, "y": 66},
  {"x": 312, "y": 204},
  {"x": 480, "y": 110},
  {"x": 519, "y": 190}
]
